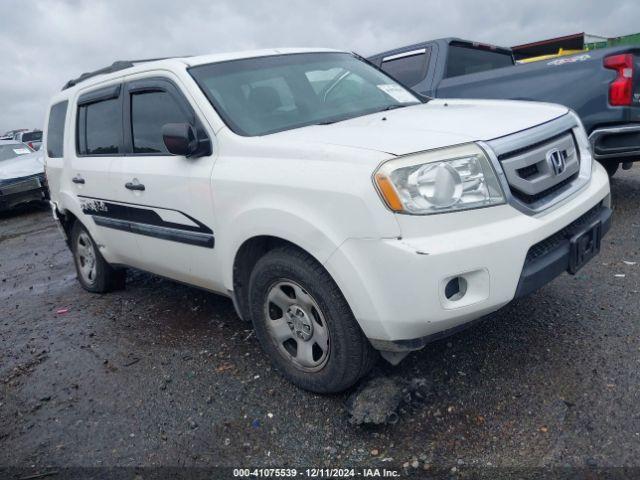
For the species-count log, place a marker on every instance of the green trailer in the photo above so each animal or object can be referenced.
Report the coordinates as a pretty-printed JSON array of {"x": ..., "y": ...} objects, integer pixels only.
[{"x": 633, "y": 39}]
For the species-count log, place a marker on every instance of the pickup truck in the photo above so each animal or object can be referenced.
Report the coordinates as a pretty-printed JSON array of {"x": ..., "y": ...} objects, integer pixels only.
[{"x": 601, "y": 86}]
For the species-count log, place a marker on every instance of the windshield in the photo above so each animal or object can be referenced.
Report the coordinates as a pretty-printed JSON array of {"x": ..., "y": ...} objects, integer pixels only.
[
  {"x": 264, "y": 95},
  {"x": 12, "y": 150}
]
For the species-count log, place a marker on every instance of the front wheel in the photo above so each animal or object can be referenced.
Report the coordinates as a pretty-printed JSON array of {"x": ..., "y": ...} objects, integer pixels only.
[
  {"x": 94, "y": 273},
  {"x": 304, "y": 323}
]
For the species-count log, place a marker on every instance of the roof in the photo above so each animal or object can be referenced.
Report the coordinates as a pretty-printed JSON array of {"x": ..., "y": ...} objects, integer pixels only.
[
  {"x": 190, "y": 61},
  {"x": 445, "y": 40},
  {"x": 116, "y": 66},
  {"x": 225, "y": 57}
]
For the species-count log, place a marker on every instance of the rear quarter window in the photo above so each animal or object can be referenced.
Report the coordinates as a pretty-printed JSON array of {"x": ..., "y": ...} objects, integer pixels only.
[
  {"x": 408, "y": 70},
  {"x": 55, "y": 130},
  {"x": 463, "y": 60}
]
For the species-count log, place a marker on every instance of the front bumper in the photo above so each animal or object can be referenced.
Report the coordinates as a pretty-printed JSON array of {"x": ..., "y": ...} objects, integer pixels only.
[
  {"x": 621, "y": 142},
  {"x": 397, "y": 287},
  {"x": 552, "y": 256},
  {"x": 23, "y": 190}
]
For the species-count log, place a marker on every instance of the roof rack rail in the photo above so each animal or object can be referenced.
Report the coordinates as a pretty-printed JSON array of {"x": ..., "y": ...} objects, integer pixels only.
[{"x": 114, "y": 67}]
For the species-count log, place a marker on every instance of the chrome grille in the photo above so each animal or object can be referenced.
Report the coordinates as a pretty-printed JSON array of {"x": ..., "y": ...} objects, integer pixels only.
[
  {"x": 530, "y": 173},
  {"x": 542, "y": 165}
]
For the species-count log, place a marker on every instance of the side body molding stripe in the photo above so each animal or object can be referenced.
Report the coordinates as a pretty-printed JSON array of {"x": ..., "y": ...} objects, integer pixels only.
[
  {"x": 145, "y": 220},
  {"x": 165, "y": 233}
]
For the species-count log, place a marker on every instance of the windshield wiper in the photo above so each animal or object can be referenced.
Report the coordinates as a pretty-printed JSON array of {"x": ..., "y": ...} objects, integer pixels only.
[
  {"x": 336, "y": 120},
  {"x": 392, "y": 107},
  {"x": 385, "y": 109}
]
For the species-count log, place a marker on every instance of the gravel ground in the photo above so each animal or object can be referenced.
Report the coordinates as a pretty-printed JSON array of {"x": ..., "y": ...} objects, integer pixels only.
[{"x": 163, "y": 374}]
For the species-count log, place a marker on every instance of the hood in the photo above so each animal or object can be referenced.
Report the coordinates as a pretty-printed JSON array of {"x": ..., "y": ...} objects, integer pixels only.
[
  {"x": 22, "y": 166},
  {"x": 438, "y": 123}
]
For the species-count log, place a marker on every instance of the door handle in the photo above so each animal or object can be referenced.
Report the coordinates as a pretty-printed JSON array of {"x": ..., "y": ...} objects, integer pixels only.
[
  {"x": 134, "y": 186},
  {"x": 78, "y": 179}
]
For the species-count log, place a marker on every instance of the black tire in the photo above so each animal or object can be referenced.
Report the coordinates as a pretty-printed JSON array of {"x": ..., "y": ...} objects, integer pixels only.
[
  {"x": 105, "y": 278},
  {"x": 611, "y": 167},
  {"x": 349, "y": 354}
]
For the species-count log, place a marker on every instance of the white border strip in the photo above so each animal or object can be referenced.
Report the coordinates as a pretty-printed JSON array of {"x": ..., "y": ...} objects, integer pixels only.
[{"x": 405, "y": 54}]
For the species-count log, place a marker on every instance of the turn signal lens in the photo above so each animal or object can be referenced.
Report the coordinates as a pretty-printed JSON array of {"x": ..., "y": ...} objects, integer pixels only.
[{"x": 388, "y": 193}]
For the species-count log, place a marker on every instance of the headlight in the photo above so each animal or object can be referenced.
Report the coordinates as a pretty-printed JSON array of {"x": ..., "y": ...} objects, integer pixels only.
[{"x": 444, "y": 180}]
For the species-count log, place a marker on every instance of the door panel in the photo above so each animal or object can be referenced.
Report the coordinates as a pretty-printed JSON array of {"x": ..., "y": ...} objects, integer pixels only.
[
  {"x": 157, "y": 216},
  {"x": 98, "y": 132},
  {"x": 155, "y": 186}
]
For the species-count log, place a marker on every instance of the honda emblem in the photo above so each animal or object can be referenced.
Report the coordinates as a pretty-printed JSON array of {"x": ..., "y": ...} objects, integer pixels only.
[{"x": 556, "y": 160}]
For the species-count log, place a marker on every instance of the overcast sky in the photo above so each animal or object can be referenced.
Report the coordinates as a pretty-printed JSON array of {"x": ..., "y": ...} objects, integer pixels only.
[{"x": 46, "y": 42}]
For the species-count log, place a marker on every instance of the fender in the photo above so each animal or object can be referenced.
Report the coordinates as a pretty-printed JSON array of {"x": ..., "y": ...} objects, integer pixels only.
[{"x": 289, "y": 226}]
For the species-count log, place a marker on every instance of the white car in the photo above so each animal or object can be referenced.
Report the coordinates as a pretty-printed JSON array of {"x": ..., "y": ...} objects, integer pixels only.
[
  {"x": 342, "y": 214},
  {"x": 22, "y": 177}
]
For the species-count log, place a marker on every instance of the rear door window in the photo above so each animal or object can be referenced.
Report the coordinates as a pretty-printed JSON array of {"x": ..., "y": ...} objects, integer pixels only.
[
  {"x": 100, "y": 127},
  {"x": 408, "y": 68},
  {"x": 55, "y": 130}
]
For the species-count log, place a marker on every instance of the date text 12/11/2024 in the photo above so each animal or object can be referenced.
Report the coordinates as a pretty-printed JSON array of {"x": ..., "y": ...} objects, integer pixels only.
[{"x": 315, "y": 473}]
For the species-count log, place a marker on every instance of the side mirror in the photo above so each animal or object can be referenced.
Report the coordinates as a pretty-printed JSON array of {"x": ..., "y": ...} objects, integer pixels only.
[{"x": 180, "y": 139}]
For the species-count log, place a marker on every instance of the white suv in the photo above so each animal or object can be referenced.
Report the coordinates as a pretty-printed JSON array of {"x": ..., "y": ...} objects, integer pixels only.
[{"x": 341, "y": 213}]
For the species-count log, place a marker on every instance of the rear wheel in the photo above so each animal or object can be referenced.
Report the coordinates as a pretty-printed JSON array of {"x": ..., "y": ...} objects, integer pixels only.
[
  {"x": 94, "y": 273},
  {"x": 304, "y": 323}
]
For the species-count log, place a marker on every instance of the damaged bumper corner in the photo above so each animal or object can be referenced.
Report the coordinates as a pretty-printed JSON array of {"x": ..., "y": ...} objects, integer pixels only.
[
  {"x": 58, "y": 218},
  {"x": 394, "y": 351}
]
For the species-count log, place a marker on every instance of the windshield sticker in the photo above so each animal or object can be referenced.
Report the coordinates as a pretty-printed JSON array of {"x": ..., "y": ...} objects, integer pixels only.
[
  {"x": 20, "y": 151},
  {"x": 398, "y": 93},
  {"x": 574, "y": 59}
]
